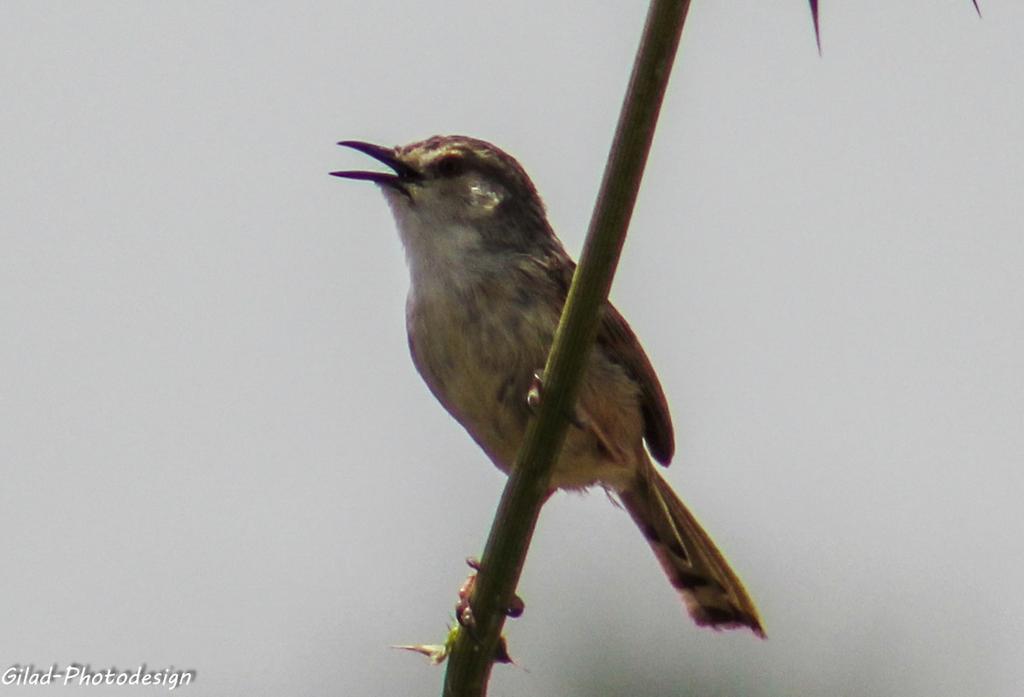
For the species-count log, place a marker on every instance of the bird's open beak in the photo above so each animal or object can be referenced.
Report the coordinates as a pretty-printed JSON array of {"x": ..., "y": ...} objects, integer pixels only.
[{"x": 403, "y": 172}]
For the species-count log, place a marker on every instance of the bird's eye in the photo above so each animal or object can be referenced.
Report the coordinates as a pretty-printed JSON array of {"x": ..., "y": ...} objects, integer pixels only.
[{"x": 450, "y": 166}]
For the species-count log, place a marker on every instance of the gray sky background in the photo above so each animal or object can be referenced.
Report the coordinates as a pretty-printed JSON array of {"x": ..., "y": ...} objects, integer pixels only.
[{"x": 217, "y": 455}]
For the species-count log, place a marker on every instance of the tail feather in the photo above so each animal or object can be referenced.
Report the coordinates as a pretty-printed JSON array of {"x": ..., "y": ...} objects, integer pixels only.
[{"x": 713, "y": 594}]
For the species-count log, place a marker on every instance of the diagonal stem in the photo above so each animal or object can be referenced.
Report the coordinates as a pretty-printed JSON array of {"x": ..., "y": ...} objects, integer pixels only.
[{"x": 470, "y": 663}]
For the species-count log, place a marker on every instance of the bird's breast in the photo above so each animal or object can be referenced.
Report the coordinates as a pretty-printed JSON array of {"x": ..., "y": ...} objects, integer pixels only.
[{"x": 477, "y": 347}]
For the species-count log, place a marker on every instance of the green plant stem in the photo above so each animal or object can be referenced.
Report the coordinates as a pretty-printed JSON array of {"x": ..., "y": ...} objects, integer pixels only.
[{"x": 470, "y": 663}]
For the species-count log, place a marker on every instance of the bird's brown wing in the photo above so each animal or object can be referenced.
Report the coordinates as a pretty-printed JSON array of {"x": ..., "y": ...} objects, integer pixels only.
[{"x": 619, "y": 343}]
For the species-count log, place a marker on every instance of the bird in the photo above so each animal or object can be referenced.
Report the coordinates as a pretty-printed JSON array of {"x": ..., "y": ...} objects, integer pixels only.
[{"x": 488, "y": 281}]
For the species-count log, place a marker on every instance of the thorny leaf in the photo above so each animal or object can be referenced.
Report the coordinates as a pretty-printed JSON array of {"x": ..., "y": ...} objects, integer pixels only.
[
  {"x": 437, "y": 653},
  {"x": 817, "y": 30}
]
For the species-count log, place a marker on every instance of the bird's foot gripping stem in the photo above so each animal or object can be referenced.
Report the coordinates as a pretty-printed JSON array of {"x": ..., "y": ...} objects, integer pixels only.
[{"x": 536, "y": 391}]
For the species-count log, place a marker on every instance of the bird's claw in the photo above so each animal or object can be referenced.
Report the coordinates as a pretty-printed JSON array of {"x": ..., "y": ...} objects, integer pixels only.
[{"x": 533, "y": 394}]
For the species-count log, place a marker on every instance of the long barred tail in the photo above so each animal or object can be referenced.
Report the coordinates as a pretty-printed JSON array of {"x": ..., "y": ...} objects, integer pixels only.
[{"x": 713, "y": 594}]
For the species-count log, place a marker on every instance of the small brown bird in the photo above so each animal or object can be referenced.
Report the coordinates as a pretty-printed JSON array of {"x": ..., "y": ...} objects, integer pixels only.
[{"x": 488, "y": 282}]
